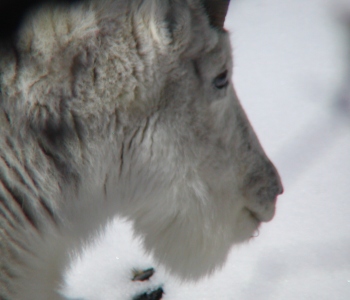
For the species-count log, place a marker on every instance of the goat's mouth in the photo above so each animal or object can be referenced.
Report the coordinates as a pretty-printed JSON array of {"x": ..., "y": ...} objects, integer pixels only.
[
  {"x": 261, "y": 214},
  {"x": 254, "y": 217}
]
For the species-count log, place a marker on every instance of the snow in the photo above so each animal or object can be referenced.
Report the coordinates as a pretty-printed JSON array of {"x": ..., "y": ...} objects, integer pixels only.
[{"x": 290, "y": 70}]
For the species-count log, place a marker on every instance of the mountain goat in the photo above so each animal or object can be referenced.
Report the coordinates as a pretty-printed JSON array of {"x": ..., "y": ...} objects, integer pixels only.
[{"x": 124, "y": 108}]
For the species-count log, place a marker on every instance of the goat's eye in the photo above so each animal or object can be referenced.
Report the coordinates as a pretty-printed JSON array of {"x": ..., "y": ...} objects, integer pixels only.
[{"x": 221, "y": 81}]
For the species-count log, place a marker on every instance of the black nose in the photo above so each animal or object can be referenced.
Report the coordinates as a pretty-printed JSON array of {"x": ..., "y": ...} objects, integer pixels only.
[
  {"x": 276, "y": 183},
  {"x": 276, "y": 189},
  {"x": 279, "y": 184},
  {"x": 264, "y": 182},
  {"x": 273, "y": 185},
  {"x": 270, "y": 192},
  {"x": 281, "y": 189}
]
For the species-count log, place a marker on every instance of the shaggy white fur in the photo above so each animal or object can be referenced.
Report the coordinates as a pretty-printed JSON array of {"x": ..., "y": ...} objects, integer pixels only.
[{"x": 124, "y": 108}]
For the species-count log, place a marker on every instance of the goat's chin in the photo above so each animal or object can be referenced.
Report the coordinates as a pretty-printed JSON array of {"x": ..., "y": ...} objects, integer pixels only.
[
  {"x": 191, "y": 252},
  {"x": 188, "y": 263}
]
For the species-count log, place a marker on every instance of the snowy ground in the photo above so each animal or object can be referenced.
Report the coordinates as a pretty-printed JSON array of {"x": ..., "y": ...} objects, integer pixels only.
[{"x": 291, "y": 67}]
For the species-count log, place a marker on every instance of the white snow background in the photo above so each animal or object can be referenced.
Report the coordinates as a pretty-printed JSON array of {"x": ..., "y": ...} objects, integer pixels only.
[{"x": 292, "y": 67}]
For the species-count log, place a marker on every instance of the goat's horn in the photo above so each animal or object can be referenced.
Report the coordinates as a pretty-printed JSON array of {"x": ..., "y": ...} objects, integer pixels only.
[{"x": 217, "y": 10}]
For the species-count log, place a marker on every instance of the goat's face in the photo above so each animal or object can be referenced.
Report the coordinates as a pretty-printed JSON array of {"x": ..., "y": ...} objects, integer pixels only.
[
  {"x": 202, "y": 179},
  {"x": 152, "y": 78}
]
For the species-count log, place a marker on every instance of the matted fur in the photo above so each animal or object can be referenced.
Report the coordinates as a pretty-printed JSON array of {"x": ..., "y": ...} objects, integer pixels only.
[{"x": 110, "y": 108}]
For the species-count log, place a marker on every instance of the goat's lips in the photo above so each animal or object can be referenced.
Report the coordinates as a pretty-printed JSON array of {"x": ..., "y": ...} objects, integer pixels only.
[
  {"x": 255, "y": 217},
  {"x": 263, "y": 214}
]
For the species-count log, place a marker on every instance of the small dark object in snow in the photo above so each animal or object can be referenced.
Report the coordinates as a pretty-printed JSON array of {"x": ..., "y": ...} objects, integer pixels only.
[
  {"x": 154, "y": 295},
  {"x": 143, "y": 274}
]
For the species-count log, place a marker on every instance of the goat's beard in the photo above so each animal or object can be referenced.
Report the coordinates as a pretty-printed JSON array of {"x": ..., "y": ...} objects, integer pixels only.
[{"x": 195, "y": 241}]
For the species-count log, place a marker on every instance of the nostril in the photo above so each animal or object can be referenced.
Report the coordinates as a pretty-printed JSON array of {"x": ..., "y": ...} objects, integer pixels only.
[
  {"x": 265, "y": 183},
  {"x": 269, "y": 193},
  {"x": 277, "y": 189},
  {"x": 274, "y": 190},
  {"x": 279, "y": 185},
  {"x": 277, "y": 181},
  {"x": 281, "y": 190}
]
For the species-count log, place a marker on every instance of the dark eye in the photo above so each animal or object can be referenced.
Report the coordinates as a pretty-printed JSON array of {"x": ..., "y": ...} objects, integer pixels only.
[{"x": 221, "y": 81}]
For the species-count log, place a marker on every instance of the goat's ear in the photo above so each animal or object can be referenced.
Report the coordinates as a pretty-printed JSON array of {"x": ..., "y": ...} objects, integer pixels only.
[
  {"x": 216, "y": 10},
  {"x": 168, "y": 22},
  {"x": 150, "y": 16}
]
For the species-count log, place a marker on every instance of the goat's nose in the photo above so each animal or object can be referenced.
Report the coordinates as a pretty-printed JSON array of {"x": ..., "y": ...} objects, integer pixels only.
[
  {"x": 279, "y": 181},
  {"x": 277, "y": 188},
  {"x": 269, "y": 192},
  {"x": 274, "y": 186},
  {"x": 281, "y": 189},
  {"x": 264, "y": 182}
]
